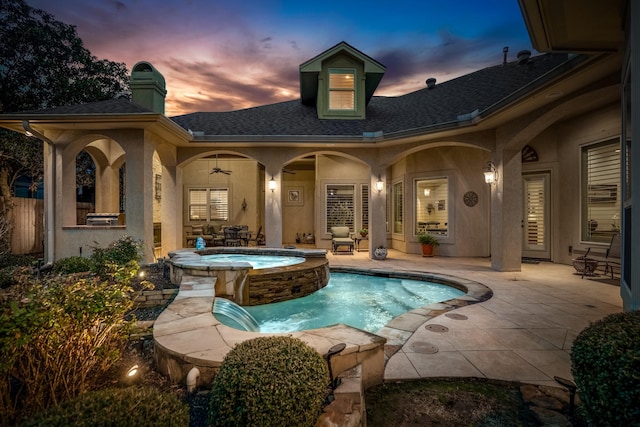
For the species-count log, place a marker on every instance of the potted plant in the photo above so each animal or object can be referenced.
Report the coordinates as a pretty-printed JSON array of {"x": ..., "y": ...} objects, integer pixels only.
[
  {"x": 428, "y": 243},
  {"x": 363, "y": 232}
]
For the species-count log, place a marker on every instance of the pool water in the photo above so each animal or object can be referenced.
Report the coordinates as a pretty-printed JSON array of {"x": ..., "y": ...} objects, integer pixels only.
[
  {"x": 362, "y": 301},
  {"x": 256, "y": 261}
]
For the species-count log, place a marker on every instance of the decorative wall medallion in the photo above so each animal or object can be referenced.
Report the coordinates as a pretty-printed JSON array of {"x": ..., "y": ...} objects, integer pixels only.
[{"x": 470, "y": 198}]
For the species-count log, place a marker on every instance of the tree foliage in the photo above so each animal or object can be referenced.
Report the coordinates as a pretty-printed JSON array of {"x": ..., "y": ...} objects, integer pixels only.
[{"x": 43, "y": 64}]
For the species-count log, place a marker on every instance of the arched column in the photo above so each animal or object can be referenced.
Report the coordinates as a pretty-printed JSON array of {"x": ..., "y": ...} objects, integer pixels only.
[
  {"x": 506, "y": 212},
  {"x": 108, "y": 181},
  {"x": 377, "y": 211},
  {"x": 273, "y": 206},
  {"x": 139, "y": 194}
]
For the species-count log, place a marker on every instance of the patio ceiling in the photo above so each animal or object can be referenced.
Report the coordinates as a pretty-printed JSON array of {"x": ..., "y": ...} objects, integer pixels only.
[{"x": 574, "y": 25}]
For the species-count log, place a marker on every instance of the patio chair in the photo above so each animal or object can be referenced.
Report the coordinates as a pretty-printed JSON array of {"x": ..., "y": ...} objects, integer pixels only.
[
  {"x": 611, "y": 258},
  {"x": 258, "y": 238},
  {"x": 231, "y": 236},
  {"x": 340, "y": 237}
]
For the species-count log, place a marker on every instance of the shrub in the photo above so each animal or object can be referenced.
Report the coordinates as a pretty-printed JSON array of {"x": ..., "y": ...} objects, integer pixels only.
[
  {"x": 73, "y": 264},
  {"x": 132, "y": 406},
  {"x": 56, "y": 336},
  {"x": 606, "y": 366},
  {"x": 10, "y": 260},
  {"x": 122, "y": 252},
  {"x": 269, "y": 381}
]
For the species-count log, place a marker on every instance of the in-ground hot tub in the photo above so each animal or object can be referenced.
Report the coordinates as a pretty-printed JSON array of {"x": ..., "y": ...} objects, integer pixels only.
[{"x": 240, "y": 282}]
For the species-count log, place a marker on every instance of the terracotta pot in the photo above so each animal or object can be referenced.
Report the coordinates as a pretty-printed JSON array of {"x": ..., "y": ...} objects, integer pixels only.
[{"x": 427, "y": 250}]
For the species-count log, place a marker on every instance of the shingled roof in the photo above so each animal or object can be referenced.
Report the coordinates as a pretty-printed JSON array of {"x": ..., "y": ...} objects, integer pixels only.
[
  {"x": 110, "y": 106},
  {"x": 447, "y": 103}
]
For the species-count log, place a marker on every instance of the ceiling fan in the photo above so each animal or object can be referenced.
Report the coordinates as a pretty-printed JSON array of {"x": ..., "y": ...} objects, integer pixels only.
[{"x": 218, "y": 170}]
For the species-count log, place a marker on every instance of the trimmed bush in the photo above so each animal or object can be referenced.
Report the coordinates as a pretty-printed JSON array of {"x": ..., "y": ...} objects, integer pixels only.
[
  {"x": 130, "y": 406},
  {"x": 73, "y": 264},
  {"x": 605, "y": 362},
  {"x": 269, "y": 381}
]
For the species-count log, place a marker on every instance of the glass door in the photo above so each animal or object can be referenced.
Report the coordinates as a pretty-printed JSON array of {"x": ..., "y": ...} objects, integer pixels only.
[{"x": 535, "y": 223}]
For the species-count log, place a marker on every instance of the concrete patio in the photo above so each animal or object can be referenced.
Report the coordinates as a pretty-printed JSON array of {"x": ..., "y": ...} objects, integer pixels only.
[{"x": 523, "y": 333}]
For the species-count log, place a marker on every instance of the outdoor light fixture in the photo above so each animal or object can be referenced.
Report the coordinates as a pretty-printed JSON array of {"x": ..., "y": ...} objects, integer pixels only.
[
  {"x": 379, "y": 184},
  {"x": 272, "y": 185},
  {"x": 490, "y": 173},
  {"x": 133, "y": 375},
  {"x": 133, "y": 371},
  {"x": 336, "y": 349},
  {"x": 427, "y": 191}
]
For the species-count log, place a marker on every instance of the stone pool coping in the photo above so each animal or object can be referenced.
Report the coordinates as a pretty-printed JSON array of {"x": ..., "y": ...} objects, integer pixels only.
[{"x": 187, "y": 335}]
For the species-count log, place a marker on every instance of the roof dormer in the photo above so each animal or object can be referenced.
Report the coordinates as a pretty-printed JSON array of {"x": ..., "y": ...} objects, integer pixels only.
[{"x": 340, "y": 82}]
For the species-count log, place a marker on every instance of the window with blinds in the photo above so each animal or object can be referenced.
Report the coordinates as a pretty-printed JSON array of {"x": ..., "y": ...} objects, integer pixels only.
[
  {"x": 398, "y": 213},
  {"x": 364, "y": 221},
  {"x": 342, "y": 89},
  {"x": 340, "y": 206},
  {"x": 208, "y": 204},
  {"x": 432, "y": 206},
  {"x": 601, "y": 191}
]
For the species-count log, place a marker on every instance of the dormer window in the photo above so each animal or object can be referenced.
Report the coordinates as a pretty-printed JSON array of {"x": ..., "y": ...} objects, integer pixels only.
[
  {"x": 342, "y": 89},
  {"x": 340, "y": 82}
]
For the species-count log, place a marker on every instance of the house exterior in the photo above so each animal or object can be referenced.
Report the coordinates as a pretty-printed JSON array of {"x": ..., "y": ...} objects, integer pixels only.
[{"x": 548, "y": 125}]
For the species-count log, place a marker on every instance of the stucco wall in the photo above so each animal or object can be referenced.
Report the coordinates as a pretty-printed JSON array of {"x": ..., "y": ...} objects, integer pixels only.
[
  {"x": 468, "y": 227},
  {"x": 587, "y": 129},
  {"x": 298, "y": 218},
  {"x": 243, "y": 184}
]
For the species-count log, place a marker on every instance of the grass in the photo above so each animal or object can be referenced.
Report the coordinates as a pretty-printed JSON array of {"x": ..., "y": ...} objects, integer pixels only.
[{"x": 455, "y": 402}]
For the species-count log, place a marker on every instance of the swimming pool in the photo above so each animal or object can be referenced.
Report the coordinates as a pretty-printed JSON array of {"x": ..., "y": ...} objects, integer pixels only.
[
  {"x": 257, "y": 261},
  {"x": 367, "y": 302}
]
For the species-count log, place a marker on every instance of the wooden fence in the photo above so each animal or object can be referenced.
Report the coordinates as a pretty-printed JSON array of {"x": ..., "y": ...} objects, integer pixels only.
[{"x": 28, "y": 230}]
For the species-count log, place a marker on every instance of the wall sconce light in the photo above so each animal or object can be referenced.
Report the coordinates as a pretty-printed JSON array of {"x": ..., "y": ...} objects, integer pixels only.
[
  {"x": 272, "y": 185},
  {"x": 379, "y": 184},
  {"x": 244, "y": 204},
  {"x": 490, "y": 173},
  {"x": 427, "y": 192},
  {"x": 430, "y": 208}
]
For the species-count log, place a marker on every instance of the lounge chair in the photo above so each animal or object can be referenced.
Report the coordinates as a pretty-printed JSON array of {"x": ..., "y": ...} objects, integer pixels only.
[{"x": 340, "y": 237}]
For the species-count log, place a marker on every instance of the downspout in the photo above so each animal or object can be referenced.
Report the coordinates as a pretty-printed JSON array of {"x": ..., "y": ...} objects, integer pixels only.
[{"x": 49, "y": 212}]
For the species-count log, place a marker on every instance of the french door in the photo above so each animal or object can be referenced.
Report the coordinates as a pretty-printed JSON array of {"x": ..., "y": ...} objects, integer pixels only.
[{"x": 535, "y": 223}]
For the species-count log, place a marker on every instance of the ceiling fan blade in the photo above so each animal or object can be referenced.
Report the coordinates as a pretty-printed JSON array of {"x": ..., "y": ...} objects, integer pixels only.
[
  {"x": 288, "y": 171},
  {"x": 226, "y": 172}
]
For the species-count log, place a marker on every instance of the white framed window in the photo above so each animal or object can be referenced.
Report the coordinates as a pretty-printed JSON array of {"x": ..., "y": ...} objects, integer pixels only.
[
  {"x": 208, "y": 204},
  {"x": 601, "y": 193},
  {"x": 364, "y": 215},
  {"x": 398, "y": 208},
  {"x": 342, "y": 89},
  {"x": 340, "y": 204},
  {"x": 432, "y": 206}
]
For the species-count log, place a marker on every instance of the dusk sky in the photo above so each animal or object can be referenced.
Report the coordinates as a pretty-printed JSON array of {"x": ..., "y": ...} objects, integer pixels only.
[{"x": 221, "y": 55}]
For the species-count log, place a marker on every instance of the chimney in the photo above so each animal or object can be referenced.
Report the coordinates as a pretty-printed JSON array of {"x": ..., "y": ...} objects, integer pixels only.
[
  {"x": 431, "y": 83},
  {"x": 148, "y": 87}
]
